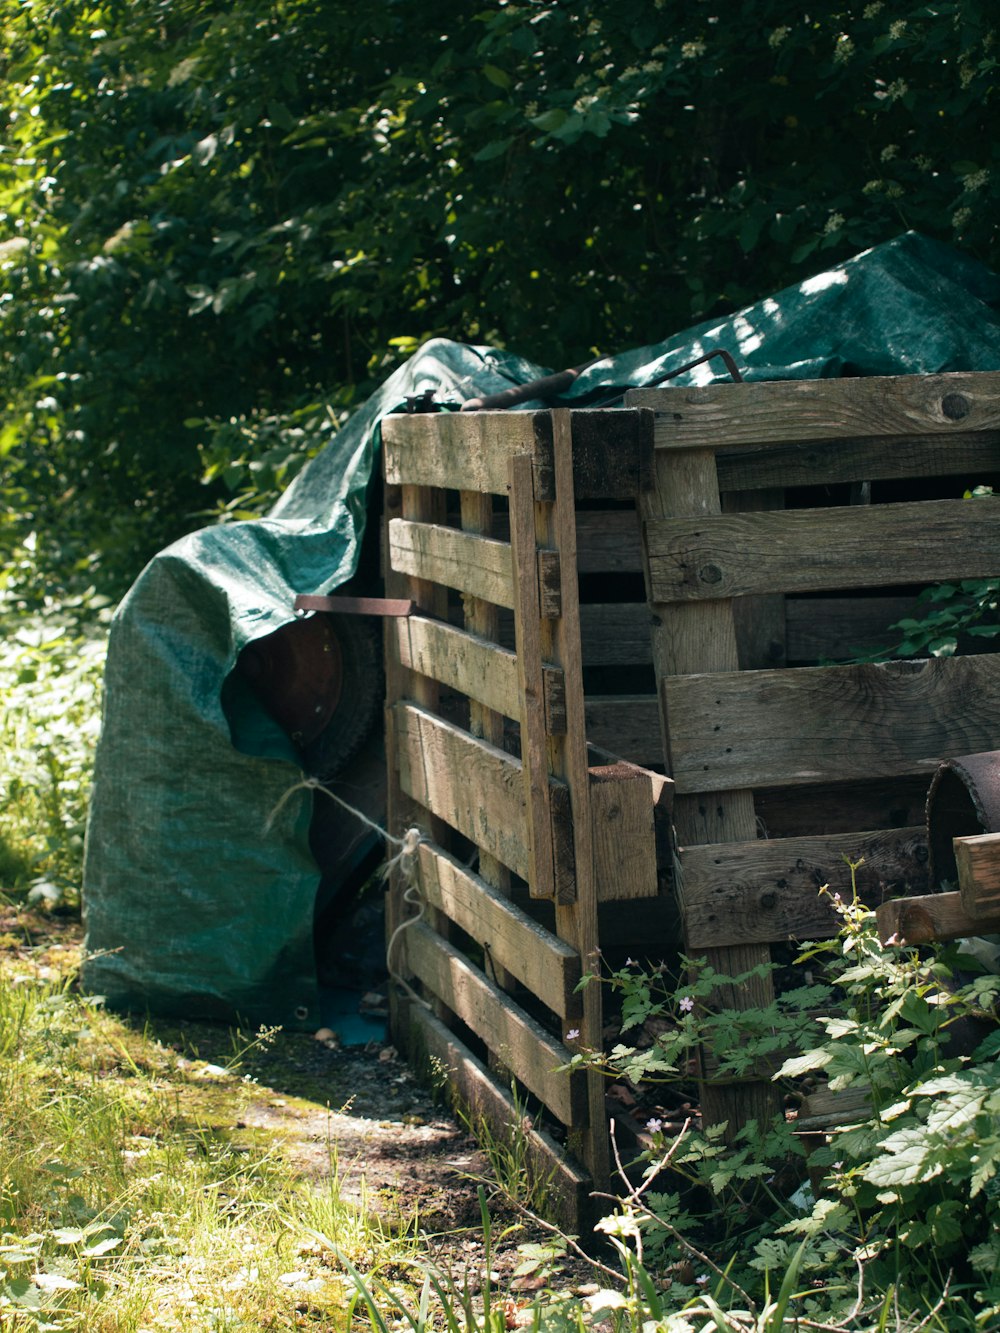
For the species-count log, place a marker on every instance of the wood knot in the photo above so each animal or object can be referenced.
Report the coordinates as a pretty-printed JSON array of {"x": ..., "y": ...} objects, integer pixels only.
[
  {"x": 955, "y": 406},
  {"x": 768, "y": 900},
  {"x": 710, "y": 574}
]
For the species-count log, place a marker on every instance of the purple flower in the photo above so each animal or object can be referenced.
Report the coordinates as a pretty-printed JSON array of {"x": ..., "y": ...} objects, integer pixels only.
[
  {"x": 572, "y": 1034},
  {"x": 654, "y": 1126},
  {"x": 686, "y": 1004}
]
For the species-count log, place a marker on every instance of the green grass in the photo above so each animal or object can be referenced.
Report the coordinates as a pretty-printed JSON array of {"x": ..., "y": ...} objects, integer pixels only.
[{"x": 119, "y": 1210}]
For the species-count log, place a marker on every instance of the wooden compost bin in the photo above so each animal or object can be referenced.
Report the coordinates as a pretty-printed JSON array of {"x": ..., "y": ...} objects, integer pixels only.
[{"x": 777, "y": 526}]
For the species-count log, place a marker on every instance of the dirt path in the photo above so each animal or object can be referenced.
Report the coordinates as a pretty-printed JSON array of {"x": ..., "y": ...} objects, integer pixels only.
[{"x": 354, "y": 1116}]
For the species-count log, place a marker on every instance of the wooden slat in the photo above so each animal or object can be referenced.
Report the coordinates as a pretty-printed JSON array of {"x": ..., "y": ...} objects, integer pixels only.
[
  {"x": 616, "y": 634},
  {"x": 568, "y": 1186},
  {"x": 576, "y": 918},
  {"x": 627, "y": 723},
  {"x": 472, "y": 785},
  {"x": 814, "y": 550},
  {"x": 612, "y": 451},
  {"x": 840, "y": 807},
  {"x": 465, "y": 451},
  {"x": 549, "y": 968},
  {"x": 795, "y": 411},
  {"x": 483, "y": 619},
  {"x": 702, "y": 637},
  {"x": 828, "y": 628},
  {"x": 978, "y": 860},
  {"x": 608, "y": 541},
  {"x": 828, "y": 724},
  {"x": 543, "y": 878},
  {"x": 961, "y": 453},
  {"x": 476, "y": 565},
  {"x": 417, "y": 505},
  {"x": 769, "y": 890},
  {"x": 532, "y": 1056},
  {"x": 621, "y": 805},
  {"x": 933, "y": 916},
  {"x": 476, "y": 667},
  {"x": 816, "y": 628}
]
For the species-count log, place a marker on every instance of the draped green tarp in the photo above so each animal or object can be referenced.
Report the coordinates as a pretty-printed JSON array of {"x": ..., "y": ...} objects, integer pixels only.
[{"x": 199, "y": 885}]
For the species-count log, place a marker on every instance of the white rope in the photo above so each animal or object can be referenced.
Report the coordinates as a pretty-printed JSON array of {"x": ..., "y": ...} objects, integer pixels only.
[{"x": 404, "y": 863}]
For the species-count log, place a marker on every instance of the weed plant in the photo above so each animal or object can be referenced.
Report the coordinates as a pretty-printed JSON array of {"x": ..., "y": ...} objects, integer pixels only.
[
  {"x": 122, "y": 1209},
  {"x": 895, "y": 1223},
  {"x": 51, "y": 665}
]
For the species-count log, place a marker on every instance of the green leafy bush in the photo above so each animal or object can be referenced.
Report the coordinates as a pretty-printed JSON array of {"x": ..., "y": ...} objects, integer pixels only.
[
  {"x": 900, "y": 1208},
  {"x": 51, "y": 667}
]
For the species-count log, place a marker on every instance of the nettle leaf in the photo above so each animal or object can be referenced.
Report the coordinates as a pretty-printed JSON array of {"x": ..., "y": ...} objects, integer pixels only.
[
  {"x": 804, "y": 1064},
  {"x": 985, "y": 1169},
  {"x": 909, "y": 1160}
]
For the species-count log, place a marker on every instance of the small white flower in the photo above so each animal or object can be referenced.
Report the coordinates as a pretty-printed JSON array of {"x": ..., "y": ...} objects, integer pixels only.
[
  {"x": 654, "y": 1126},
  {"x": 572, "y": 1034},
  {"x": 686, "y": 1004}
]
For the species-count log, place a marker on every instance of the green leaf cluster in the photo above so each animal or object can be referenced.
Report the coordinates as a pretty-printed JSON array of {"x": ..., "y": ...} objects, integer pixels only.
[
  {"x": 904, "y": 1197},
  {"x": 225, "y": 214}
]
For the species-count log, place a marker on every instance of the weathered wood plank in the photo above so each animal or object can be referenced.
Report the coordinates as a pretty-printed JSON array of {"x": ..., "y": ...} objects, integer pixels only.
[
  {"x": 548, "y": 967},
  {"x": 978, "y": 861},
  {"x": 483, "y": 619},
  {"x": 576, "y": 918},
  {"x": 616, "y": 633},
  {"x": 818, "y": 628},
  {"x": 628, "y": 724},
  {"x": 767, "y": 891},
  {"x": 543, "y": 878},
  {"x": 612, "y": 451},
  {"x": 568, "y": 1186},
  {"x": 462, "y": 451},
  {"x": 621, "y": 808},
  {"x": 702, "y": 637},
  {"x": 608, "y": 541},
  {"x": 479, "y": 566},
  {"x": 472, "y": 785},
  {"x": 841, "y": 807},
  {"x": 419, "y": 505},
  {"x": 813, "y": 550},
  {"x": 759, "y": 620},
  {"x": 532, "y": 1056},
  {"x": 932, "y": 916},
  {"x": 828, "y": 724},
  {"x": 795, "y": 411},
  {"x": 968, "y": 454},
  {"x": 475, "y": 666}
]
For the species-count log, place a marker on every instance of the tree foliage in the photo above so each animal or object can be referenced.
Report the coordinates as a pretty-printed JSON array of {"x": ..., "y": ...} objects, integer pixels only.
[{"x": 220, "y": 224}]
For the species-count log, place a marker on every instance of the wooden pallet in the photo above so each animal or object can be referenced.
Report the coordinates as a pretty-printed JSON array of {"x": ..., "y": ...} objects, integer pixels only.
[
  {"x": 783, "y": 774},
  {"x": 775, "y": 525},
  {"x": 527, "y": 831}
]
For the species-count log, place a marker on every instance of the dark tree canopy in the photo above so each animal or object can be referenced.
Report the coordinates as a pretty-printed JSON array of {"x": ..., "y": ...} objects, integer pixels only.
[{"x": 221, "y": 224}]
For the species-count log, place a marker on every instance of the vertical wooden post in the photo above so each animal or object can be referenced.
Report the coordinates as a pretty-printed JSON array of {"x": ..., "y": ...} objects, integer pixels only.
[
  {"x": 573, "y": 889},
  {"x": 483, "y": 618},
  {"x": 698, "y": 637},
  {"x": 421, "y": 504}
]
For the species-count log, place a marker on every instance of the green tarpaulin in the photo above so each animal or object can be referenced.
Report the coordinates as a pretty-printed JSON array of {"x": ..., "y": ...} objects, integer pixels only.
[{"x": 199, "y": 885}]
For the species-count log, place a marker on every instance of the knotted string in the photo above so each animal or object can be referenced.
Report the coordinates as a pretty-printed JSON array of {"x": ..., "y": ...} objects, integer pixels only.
[{"x": 404, "y": 863}]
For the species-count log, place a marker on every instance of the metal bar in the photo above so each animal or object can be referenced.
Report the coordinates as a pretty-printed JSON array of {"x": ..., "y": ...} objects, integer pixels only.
[{"x": 386, "y": 607}]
